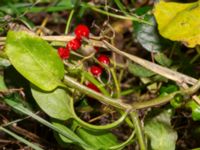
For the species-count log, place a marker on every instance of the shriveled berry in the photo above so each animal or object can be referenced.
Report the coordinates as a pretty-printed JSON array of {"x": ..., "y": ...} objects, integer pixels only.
[
  {"x": 63, "y": 52},
  {"x": 96, "y": 70},
  {"x": 93, "y": 87},
  {"x": 96, "y": 48},
  {"x": 81, "y": 31},
  {"x": 104, "y": 59},
  {"x": 73, "y": 44}
]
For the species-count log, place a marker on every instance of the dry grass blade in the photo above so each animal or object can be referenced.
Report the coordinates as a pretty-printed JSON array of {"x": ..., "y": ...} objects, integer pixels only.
[{"x": 165, "y": 72}]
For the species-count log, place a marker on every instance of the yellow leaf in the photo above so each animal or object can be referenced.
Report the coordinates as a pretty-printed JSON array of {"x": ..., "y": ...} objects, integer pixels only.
[{"x": 179, "y": 22}]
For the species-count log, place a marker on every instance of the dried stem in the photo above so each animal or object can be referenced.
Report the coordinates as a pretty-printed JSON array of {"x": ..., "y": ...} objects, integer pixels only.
[{"x": 165, "y": 72}]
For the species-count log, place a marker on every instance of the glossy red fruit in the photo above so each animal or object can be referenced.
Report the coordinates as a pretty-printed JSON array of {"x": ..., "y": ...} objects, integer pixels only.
[
  {"x": 81, "y": 31},
  {"x": 63, "y": 52},
  {"x": 104, "y": 59},
  {"x": 74, "y": 44},
  {"x": 96, "y": 70},
  {"x": 93, "y": 87}
]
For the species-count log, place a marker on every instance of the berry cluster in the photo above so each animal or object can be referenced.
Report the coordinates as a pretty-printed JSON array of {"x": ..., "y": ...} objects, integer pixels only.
[{"x": 81, "y": 31}]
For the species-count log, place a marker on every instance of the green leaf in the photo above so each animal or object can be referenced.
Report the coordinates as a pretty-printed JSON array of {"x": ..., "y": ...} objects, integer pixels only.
[
  {"x": 195, "y": 108},
  {"x": 98, "y": 139},
  {"x": 35, "y": 59},
  {"x": 147, "y": 35},
  {"x": 139, "y": 71},
  {"x": 179, "y": 21},
  {"x": 159, "y": 130},
  {"x": 168, "y": 89},
  {"x": 55, "y": 103},
  {"x": 162, "y": 59}
]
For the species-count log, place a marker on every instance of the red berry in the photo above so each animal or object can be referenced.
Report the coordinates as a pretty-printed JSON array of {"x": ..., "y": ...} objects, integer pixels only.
[
  {"x": 104, "y": 59},
  {"x": 63, "y": 52},
  {"x": 93, "y": 87},
  {"x": 96, "y": 70},
  {"x": 81, "y": 31},
  {"x": 73, "y": 44}
]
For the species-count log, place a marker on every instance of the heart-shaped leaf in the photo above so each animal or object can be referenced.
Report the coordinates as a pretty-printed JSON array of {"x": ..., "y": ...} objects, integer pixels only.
[
  {"x": 179, "y": 22},
  {"x": 35, "y": 59},
  {"x": 55, "y": 103}
]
